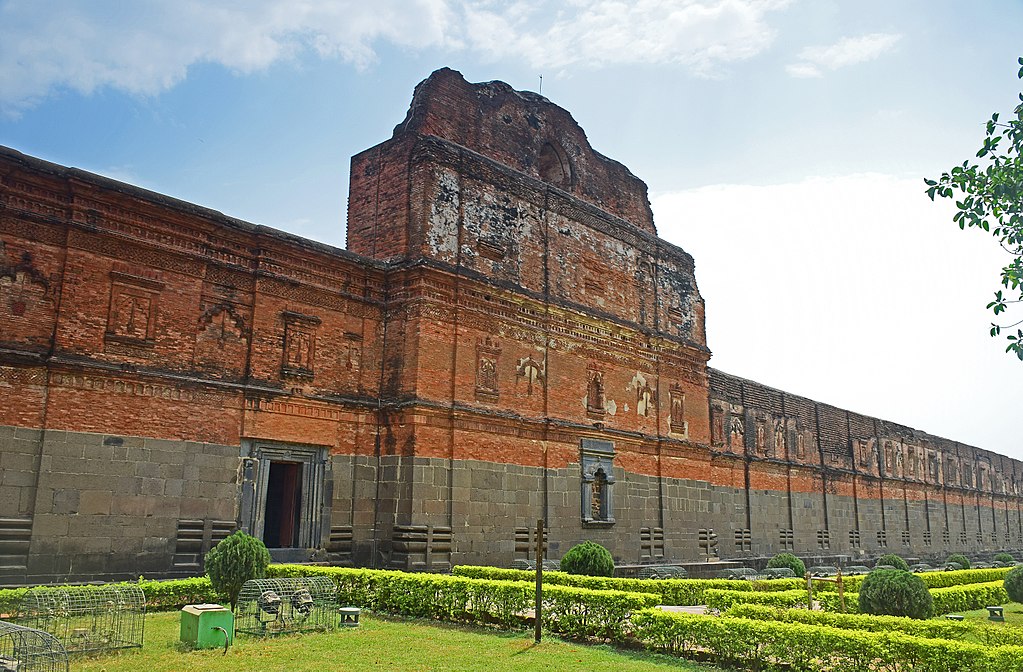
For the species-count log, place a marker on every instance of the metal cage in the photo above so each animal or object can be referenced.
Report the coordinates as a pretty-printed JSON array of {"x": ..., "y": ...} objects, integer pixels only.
[
  {"x": 29, "y": 650},
  {"x": 87, "y": 619},
  {"x": 279, "y": 606}
]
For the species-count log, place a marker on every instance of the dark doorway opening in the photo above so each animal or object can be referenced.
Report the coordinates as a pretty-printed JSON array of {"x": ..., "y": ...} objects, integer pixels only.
[{"x": 283, "y": 505}]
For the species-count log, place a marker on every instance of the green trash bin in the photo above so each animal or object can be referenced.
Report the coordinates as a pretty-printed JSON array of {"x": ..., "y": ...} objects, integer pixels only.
[{"x": 207, "y": 626}]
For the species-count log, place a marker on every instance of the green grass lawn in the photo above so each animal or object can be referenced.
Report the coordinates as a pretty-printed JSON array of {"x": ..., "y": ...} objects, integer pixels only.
[
  {"x": 1013, "y": 615},
  {"x": 378, "y": 644}
]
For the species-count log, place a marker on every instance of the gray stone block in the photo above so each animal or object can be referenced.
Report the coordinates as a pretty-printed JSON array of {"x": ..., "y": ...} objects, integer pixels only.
[{"x": 93, "y": 502}]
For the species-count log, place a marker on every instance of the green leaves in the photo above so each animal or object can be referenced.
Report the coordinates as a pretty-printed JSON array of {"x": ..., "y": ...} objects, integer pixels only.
[
  {"x": 235, "y": 560},
  {"x": 989, "y": 197}
]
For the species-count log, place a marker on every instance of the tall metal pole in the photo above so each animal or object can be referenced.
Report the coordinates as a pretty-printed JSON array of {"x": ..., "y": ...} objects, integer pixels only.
[{"x": 539, "y": 581}]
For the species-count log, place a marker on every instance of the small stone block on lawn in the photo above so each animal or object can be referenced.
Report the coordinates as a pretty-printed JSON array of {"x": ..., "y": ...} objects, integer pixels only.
[{"x": 349, "y": 617}]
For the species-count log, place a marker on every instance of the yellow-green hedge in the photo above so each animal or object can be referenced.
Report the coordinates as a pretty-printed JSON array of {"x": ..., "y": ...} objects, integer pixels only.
[
  {"x": 968, "y": 598},
  {"x": 567, "y": 610},
  {"x": 675, "y": 592},
  {"x": 960, "y": 577},
  {"x": 933, "y": 629},
  {"x": 160, "y": 595},
  {"x": 752, "y": 644},
  {"x": 725, "y": 599}
]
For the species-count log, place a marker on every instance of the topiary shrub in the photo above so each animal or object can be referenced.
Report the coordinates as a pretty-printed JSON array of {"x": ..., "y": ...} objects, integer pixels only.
[
  {"x": 235, "y": 560},
  {"x": 959, "y": 559},
  {"x": 588, "y": 558},
  {"x": 790, "y": 561},
  {"x": 895, "y": 592},
  {"x": 1005, "y": 557},
  {"x": 893, "y": 560},
  {"x": 1014, "y": 584}
]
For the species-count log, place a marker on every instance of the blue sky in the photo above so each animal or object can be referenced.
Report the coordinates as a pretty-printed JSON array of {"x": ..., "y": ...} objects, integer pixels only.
[{"x": 785, "y": 144}]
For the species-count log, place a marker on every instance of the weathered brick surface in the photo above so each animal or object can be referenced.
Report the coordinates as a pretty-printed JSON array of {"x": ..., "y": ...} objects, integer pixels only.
[{"x": 504, "y": 299}]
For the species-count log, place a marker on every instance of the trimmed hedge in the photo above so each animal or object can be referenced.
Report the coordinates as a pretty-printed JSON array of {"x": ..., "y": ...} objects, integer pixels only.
[
  {"x": 946, "y": 600},
  {"x": 725, "y": 599},
  {"x": 752, "y": 644},
  {"x": 674, "y": 592},
  {"x": 568, "y": 611},
  {"x": 963, "y": 577},
  {"x": 932, "y": 629},
  {"x": 959, "y": 577},
  {"x": 160, "y": 595},
  {"x": 829, "y": 602},
  {"x": 176, "y": 593},
  {"x": 10, "y": 598},
  {"x": 968, "y": 598}
]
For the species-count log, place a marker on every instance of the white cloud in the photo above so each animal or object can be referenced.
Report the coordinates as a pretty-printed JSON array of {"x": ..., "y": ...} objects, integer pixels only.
[
  {"x": 146, "y": 48},
  {"x": 847, "y": 51},
  {"x": 700, "y": 35},
  {"x": 856, "y": 291}
]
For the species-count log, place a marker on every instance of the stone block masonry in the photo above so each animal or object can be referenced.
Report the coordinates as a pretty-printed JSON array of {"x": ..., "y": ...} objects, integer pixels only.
[{"x": 505, "y": 339}]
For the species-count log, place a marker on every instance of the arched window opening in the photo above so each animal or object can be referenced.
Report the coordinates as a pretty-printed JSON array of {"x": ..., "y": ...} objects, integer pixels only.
[{"x": 554, "y": 166}]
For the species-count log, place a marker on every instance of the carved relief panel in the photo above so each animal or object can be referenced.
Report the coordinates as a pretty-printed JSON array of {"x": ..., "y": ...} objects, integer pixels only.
[
  {"x": 677, "y": 420},
  {"x": 646, "y": 396},
  {"x": 933, "y": 466},
  {"x": 952, "y": 475},
  {"x": 913, "y": 463},
  {"x": 595, "y": 401},
  {"x": 597, "y": 483},
  {"x": 24, "y": 291},
  {"x": 718, "y": 416},
  {"x": 737, "y": 429},
  {"x": 866, "y": 455},
  {"x": 779, "y": 438},
  {"x": 530, "y": 373},
  {"x": 222, "y": 340},
  {"x": 134, "y": 303},
  {"x": 351, "y": 354},
  {"x": 299, "y": 345},
  {"x": 487, "y": 355}
]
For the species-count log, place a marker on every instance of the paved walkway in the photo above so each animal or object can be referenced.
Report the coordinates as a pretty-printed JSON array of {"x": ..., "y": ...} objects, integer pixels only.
[{"x": 699, "y": 609}]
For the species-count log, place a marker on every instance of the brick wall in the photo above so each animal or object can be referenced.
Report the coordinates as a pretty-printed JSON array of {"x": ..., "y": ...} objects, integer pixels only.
[{"x": 505, "y": 301}]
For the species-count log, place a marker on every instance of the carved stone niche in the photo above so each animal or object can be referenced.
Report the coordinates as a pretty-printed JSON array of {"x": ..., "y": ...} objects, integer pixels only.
[
  {"x": 487, "y": 355},
  {"x": 598, "y": 479},
  {"x": 299, "y": 345}
]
